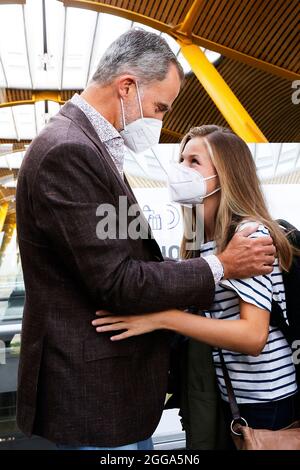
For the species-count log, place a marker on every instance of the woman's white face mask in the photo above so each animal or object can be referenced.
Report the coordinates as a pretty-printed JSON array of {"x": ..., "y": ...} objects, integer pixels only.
[{"x": 188, "y": 186}]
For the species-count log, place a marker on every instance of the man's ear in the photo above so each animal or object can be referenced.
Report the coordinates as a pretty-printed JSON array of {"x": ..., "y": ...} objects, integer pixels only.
[{"x": 125, "y": 86}]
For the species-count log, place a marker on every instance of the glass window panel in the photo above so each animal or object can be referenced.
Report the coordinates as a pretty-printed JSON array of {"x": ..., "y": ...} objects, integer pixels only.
[
  {"x": 172, "y": 43},
  {"x": 145, "y": 27},
  {"x": 185, "y": 65},
  {"x": 264, "y": 156},
  {"x": 25, "y": 121},
  {"x": 109, "y": 27},
  {"x": 13, "y": 47},
  {"x": 297, "y": 162},
  {"x": 41, "y": 116},
  {"x": 211, "y": 55},
  {"x": 14, "y": 159},
  {"x": 289, "y": 151},
  {"x": 2, "y": 76},
  {"x": 53, "y": 107},
  {"x": 55, "y": 18},
  {"x": 5, "y": 148},
  {"x": 34, "y": 31},
  {"x": 80, "y": 28},
  {"x": 7, "y": 124}
]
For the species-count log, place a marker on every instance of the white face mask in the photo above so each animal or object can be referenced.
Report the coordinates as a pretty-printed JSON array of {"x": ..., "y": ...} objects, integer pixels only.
[
  {"x": 188, "y": 186},
  {"x": 143, "y": 133}
]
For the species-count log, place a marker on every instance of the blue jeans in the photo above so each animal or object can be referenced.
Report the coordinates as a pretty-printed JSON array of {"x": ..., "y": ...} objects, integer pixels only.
[
  {"x": 270, "y": 415},
  {"x": 141, "y": 445}
]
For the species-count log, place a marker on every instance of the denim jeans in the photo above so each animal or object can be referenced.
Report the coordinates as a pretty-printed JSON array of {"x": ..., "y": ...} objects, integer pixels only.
[
  {"x": 270, "y": 415},
  {"x": 141, "y": 445}
]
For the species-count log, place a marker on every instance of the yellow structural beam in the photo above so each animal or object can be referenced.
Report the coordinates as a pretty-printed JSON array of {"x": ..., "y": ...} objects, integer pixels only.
[
  {"x": 191, "y": 17},
  {"x": 43, "y": 95},
  {"x": 117, "y": 11},
  {"x": 10, "y": 2},
  {"x": 3, "y": 213},
  {"x": 216, "y": 87},
  {"x": 185, "y": 31},
  {"x": 9, "y": 236}
]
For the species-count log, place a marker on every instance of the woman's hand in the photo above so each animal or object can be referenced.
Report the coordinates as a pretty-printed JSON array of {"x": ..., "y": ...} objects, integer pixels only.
[
  {"x": 133, "y": 324},
  {"x": 247, "y": 335}
]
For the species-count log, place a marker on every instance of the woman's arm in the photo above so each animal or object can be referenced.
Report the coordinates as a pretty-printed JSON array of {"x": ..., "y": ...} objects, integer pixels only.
[{"x": 247, "y": 335}]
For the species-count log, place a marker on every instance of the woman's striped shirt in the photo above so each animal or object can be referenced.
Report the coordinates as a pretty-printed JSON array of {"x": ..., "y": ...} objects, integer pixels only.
[{"x": 271, "y": 375}]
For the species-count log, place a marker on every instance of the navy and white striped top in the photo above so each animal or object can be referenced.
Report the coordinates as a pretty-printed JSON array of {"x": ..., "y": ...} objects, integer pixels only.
[{"x": 271, "y": 375}]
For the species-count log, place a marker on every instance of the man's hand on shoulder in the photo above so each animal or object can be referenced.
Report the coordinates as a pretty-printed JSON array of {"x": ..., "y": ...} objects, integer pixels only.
[{"x": 248, "y": 257}]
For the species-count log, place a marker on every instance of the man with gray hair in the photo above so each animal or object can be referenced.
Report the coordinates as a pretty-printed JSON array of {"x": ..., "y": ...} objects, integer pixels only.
[{"x": 76, "y": 388}]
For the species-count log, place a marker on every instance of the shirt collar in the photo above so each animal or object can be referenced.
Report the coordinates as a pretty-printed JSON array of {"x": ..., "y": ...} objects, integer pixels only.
[{"x": 105, "y": 130}]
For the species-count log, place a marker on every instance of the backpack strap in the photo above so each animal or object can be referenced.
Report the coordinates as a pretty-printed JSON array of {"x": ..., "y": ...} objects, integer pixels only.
[{"x": 291, "y": 281}]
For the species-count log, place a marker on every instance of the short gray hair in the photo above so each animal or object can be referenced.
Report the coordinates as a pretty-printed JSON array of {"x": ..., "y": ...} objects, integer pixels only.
[{"x": 137, "y": 52}]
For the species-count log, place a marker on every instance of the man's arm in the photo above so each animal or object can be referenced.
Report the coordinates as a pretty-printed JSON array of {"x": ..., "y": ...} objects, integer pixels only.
[{"x": 70, "y": 185}]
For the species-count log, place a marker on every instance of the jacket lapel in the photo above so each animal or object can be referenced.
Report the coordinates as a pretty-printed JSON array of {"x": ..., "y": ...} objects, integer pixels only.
[{"x": 72, "y": 112}]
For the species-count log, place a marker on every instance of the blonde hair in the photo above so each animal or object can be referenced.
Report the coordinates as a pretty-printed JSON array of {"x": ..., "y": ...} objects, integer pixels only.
[{"x": 241, "y": 195}]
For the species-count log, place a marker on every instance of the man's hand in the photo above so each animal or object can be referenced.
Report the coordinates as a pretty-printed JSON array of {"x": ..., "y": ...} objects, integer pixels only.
[{"x": 247, "y": 257}]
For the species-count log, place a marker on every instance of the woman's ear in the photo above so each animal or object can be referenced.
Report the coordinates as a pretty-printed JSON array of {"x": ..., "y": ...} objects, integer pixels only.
[{"x": 125, "y": 86}]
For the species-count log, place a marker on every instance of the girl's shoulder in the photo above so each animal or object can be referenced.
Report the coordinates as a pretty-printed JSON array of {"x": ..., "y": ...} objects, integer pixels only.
[{"x": 261, "y": 231}]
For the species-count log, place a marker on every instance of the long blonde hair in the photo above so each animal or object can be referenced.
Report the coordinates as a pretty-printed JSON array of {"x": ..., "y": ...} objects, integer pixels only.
[{"x": 241, "y": 195}]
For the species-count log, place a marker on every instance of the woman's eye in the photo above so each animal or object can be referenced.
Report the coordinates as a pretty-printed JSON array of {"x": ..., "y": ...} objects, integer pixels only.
[{"x": 194, "y": 160}]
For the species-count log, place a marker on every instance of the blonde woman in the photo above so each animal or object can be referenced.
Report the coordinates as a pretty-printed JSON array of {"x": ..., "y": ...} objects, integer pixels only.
[{"x": 220, "y": 167}]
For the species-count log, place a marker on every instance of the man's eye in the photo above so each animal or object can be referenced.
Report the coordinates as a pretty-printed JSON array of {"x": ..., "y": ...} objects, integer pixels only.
[{"x": 161, "y": 109}]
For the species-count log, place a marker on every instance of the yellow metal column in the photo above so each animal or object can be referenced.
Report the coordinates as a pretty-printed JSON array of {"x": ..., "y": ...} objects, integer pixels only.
[
  {"x": 3, "y": 213},
  {"x": 216, "y": 87}
]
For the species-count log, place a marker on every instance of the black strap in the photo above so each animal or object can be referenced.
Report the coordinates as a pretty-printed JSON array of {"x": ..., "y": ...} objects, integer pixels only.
[{"x": 235, "y": 411}]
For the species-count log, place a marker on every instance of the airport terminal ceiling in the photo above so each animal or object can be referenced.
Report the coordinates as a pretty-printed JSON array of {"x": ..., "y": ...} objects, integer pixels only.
[
  {"x": 51, "y": 52},
  {"x": 55, "y": 45}
]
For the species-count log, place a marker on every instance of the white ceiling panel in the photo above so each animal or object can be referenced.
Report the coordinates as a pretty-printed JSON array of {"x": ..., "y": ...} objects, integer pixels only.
[
  {"x": 42, "y": 115},
  {"x": 172, "y": 43},
  {"x": 13, "y": 49},
  {"x": 64, "y": 52},
  {"x": 80, "y": 28},
  {"x": 109, "y": 27},
  {"x": 25, "y": 121},
  {"x": 7, "y": 124},
  {"x": 45, "y": 45},
  {"x": 3, "y": 82},
  {"x": 33, "y": 16},
  {"x": 13, "y": 160}
]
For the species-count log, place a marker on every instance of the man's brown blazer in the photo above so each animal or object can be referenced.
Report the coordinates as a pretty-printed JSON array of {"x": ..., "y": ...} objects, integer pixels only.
[{"x": 76, "y": 386}]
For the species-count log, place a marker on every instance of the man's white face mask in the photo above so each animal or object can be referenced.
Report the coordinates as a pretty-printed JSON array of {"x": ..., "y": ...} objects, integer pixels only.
[
  {"x": 143, "y": 133},
  {"x": 187, "y": 186}
]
